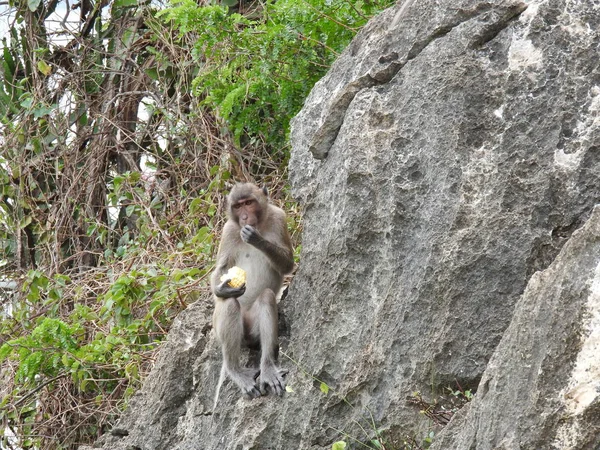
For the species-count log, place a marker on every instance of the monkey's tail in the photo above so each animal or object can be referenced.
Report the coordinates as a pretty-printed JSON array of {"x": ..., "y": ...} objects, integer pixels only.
[{"x": 219, "y": 384}]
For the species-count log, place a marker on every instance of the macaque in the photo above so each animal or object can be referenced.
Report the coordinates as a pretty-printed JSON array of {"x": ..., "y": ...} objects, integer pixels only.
[{"x": 255, "y": 238}]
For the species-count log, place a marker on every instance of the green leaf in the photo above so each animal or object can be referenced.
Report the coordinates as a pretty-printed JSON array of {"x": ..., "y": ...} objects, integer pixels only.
[
  {"x": 117, "y": 181},
  {"x": 195, "y": 205},
  {"x": 26, "y": 101},
  {"x": 229, "y": 3},
  {"x": 33, "y": 4},
  {"x": 214, "y": 170},
  {"x": 25, "y": 221},
  {"x": 232, "y": 98},
  {"x": 7, "y": 102},
  {"x": 339, "y": 445},
  {"x": 5, "y": 350},
  {"x": 125, "y": 3},
  {"x": 8, "y": 64},
  {"x": 150, "y": 164},
  {"x": 42, "y": 111},
  {"x": 108, "y": 304},
  {"x": 152, "y": 73},
  {"x": 134, "y": 177},
  {"x": 44, "y": 67},
  {"x": 288, "y": 389},
  {"x": 324, "y": 388}
]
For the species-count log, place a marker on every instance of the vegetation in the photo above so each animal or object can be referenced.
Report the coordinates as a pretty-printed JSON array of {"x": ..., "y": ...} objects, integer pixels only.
[{"x": 121, "y": 125}]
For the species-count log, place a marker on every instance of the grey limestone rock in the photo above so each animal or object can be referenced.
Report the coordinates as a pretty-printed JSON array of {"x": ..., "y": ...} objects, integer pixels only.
[
  {"x": 541, "y": 389},
  {"x": 446, "y": 158},
  {"x": 439, "y": 191}
]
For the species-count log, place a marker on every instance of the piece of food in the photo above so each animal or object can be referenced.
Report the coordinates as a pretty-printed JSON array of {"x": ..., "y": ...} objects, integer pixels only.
[{"x": 236, "y": 277}]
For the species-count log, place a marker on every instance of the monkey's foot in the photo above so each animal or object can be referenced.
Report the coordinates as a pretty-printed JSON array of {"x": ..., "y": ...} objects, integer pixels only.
[
  {"x": 273, "y": 377},
  {"x": 246, "y": 380}
]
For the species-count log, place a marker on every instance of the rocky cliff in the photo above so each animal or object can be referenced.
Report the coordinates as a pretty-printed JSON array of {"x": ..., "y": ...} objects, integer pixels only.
[
  {"x": 541, "y": 388},
  {"x": 444, "y": 161}
]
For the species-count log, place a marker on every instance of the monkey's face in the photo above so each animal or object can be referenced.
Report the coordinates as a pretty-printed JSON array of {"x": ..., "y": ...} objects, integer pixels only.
[{"x": 247, "y": 211}]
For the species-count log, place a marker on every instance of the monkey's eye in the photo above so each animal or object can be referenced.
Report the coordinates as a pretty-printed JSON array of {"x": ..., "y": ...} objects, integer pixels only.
[
  {"x": 237, "y": 206},
  {"x": 249, "y": 202}
]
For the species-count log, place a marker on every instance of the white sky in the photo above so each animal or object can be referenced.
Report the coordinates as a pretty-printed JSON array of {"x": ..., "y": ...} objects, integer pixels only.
[{"x": 54, "y": 23}]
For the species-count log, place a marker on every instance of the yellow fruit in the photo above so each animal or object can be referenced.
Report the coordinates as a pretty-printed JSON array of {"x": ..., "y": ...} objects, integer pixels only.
[{"x": 236, "y": 277}]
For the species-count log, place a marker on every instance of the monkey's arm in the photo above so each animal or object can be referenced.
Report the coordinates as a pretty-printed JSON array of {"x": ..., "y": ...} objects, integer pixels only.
[
  {"x": 281, "y": 256},
  {"x": 225, "y": 260}
]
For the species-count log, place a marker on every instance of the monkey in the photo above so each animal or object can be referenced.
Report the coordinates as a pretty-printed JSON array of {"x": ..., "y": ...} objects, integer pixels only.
[{"x": 255, "y": 238}]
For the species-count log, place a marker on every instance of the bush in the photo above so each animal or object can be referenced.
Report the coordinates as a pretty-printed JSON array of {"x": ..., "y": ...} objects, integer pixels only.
[{"x": 257, "y": 71}]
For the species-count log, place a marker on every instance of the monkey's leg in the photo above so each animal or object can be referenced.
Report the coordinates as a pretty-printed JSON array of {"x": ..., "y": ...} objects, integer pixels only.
[
  {"x": 230, "y": 331},
  {"x": 264, "y": 316}
]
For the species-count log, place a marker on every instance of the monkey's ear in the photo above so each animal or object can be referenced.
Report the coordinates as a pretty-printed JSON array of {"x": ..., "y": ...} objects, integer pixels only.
[{"x": 265, "y": 190}]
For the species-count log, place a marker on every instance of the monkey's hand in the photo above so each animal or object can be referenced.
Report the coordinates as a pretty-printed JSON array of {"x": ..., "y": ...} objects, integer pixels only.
[
  {"x": 223, "y": 290},
  {"x": 250, "y": 235}
]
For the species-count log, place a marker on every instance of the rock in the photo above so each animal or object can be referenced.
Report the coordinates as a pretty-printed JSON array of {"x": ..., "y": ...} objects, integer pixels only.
[
  {"x": 442, "y": 191},
  {"x": 448, "y": 155},
  {"x": 541, "y": 389}
]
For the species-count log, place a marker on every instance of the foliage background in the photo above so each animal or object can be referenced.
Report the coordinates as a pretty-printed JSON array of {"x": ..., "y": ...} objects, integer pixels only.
[{"x": 123, "y": 124}]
